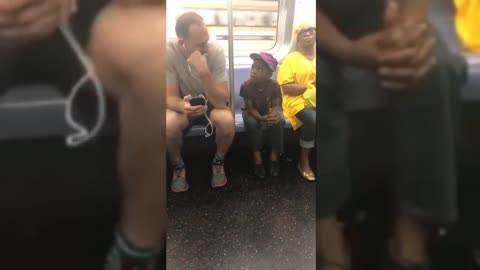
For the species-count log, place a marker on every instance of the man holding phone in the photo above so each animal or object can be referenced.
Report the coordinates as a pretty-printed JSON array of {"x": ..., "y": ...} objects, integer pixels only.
[
  {"x": 197, "y": 93},
  {"x": 32, "y": 50}
]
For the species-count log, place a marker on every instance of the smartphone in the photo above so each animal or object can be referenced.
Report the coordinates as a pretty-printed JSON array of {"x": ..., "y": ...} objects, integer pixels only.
[{"x": 196, "y": 101}]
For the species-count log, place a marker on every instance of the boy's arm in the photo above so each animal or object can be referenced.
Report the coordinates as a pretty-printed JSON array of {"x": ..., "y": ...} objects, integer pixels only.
[
  {"x": 409, "y": 44},
  {"x": 330, "y": 40},
  {"x": 276, "y": 104},
  {"x": 276, "y": 101},
  {"x": 253, "y": 111},
  {"x": 414, "y": 10},
  {"x": 362, "y": 52}
]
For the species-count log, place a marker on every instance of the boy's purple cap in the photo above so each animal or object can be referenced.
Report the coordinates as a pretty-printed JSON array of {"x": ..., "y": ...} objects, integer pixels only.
[{"x": 267, "y": 58}]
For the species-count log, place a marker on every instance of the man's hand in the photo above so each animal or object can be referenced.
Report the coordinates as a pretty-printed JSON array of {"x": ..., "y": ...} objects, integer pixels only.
[
  {"x": 26, "y": 20},
  {"x": 193, "y": 111},
  {"x": 406, "y": 46},
  {"x": 199, "y": 63}
]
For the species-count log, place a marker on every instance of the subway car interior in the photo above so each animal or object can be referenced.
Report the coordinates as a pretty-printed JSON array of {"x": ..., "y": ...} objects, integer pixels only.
[{"x": 59, "y": 205}]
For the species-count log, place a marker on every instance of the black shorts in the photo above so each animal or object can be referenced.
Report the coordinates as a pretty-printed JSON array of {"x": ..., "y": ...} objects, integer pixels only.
[
  {"x": 50, "y": 61},
  {"x": 199, "y": 120}
]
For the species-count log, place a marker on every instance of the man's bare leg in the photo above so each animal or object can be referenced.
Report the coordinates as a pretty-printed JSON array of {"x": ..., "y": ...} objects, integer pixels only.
[
  {"x": 332, "y": 253},
  {"x": 410, "y": 242},
  {"x": 176, "y": 123},
  {"x": 122, "y": 38},
  {"x": 222, "y": 120}
]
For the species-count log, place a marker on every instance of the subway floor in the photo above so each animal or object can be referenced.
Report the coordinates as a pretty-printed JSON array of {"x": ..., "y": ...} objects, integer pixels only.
[
  {"x": 248, "y": 224},
  {"x": 58, "y": 208}
]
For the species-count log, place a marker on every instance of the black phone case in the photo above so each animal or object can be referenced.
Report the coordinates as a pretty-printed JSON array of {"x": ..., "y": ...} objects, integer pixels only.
[{"x": 197, "y": 101}]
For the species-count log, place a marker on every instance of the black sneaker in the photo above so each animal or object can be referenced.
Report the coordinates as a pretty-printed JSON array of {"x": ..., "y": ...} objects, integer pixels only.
[
  {"x": 259, "y": 171},
  {"x": 274, "y": 167},
  {"x": 398, "y": 266}
]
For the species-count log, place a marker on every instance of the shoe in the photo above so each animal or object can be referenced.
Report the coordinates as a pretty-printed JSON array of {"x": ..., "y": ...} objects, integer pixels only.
[
  {"x": 114, "y": 262},
  {"x": 407, "y": 266},
  {"x": 179, "y": 181},
  {"x": 310, "y": 176},
  {"x": 395, "y": 263},
  {"x": 259, "y": 171},
  {"x": 219, "y": 179},
  {"x": 274, "y": 167}
]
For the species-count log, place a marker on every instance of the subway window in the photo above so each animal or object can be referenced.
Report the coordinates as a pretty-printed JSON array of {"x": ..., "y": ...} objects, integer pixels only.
[{"x": 255, "y": 22}]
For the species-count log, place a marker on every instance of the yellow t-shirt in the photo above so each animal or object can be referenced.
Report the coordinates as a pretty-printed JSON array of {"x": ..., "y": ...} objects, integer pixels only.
[
  {"x": 467, "y": 22},
  {"x": 297, "y": 69}
]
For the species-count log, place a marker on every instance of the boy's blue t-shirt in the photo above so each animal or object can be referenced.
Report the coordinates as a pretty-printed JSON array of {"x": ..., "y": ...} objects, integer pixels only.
[{"x": 261, "y": 94}]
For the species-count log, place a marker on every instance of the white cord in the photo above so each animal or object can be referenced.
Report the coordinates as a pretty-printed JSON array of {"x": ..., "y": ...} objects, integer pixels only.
[
  {"x": 207, "y": 133},
  {"x": 82, "y": 135}
]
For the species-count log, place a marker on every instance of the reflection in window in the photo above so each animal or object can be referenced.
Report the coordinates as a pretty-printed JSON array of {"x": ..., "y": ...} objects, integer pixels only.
[{"x": 255, "y": 22}]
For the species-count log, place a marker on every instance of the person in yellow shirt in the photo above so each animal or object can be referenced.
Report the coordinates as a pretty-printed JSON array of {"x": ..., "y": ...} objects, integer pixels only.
[
  {"x": 466, "y": 23},
  {"x": 296, "y": 78}
]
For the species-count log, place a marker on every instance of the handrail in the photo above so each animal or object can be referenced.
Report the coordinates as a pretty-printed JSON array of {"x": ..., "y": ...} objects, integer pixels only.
[{"x": 231, "y": 69}]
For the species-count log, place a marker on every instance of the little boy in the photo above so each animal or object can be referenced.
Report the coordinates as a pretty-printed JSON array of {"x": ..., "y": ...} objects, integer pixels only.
[{"x": 262, "y": 112}]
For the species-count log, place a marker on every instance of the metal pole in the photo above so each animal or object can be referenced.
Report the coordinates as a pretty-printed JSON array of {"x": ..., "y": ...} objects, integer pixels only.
[{"x": 231, "y": 69}]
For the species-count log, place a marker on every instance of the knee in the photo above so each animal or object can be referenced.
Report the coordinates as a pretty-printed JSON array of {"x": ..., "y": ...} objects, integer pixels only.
[
  {"x": 309, "y": 128},
  {"x": 280, "y": 123},
  {"x": 249, "y": 120},
  {"x": 307, "y": 133},
  {"x": 222, "y": 119},
  {"x": 310, "y": 120},
  {"x": 175, "y": 123}
]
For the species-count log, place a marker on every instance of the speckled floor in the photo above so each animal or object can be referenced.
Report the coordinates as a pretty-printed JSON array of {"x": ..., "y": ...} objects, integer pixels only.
[
  {"x": 59, "y": 206},
  {"x": 249, "y": 224}
]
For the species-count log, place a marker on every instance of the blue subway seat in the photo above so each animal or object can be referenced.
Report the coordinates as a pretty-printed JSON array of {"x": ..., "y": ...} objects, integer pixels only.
[
  {"x": 35, "y": 111},
  {"x": 242, "y": 73}
]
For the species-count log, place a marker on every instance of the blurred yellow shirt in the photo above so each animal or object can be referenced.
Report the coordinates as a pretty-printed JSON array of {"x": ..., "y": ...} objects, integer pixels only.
[
  {"x": 467, "y": 22},
  {"x": 297, "y": 69}
]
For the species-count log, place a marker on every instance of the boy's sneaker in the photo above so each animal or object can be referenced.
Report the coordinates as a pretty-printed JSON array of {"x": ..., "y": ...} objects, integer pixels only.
[
  {"x": 219, "y": 179},
  {"x": 259, "y": 171},
  {"x": 274, "y": 167},
  {"x": 179, "y": 180}
]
